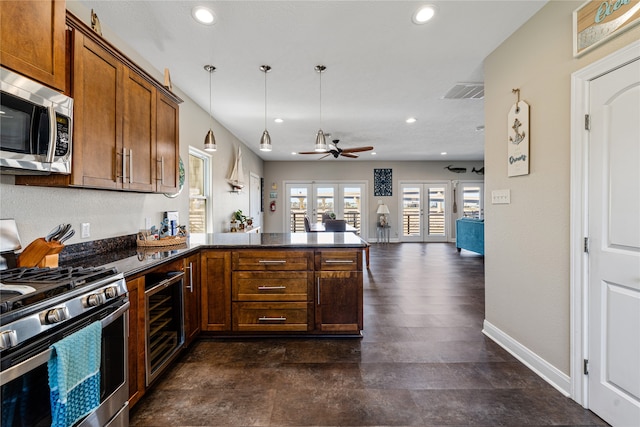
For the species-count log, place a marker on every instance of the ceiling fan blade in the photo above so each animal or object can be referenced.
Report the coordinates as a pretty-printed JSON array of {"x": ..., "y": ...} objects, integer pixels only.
[
  {"x": 357, "y": 149},
  {"x": 353, "y": 156},
  {"x": 313, "y": 152}
]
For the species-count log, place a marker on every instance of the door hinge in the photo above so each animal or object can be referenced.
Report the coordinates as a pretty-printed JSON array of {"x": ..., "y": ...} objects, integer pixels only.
[
  {"x": 587, "y": 122},
  {"x": 586, "y": 245},
  {"x": 585, "y": 367}
]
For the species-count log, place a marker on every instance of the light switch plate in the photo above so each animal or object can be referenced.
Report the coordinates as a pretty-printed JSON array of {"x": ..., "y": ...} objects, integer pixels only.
[{"x": 501, "y": 197}]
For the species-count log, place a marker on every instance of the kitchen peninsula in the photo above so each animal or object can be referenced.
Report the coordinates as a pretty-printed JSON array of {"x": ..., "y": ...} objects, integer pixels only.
[{"x": 247, "y": 284}]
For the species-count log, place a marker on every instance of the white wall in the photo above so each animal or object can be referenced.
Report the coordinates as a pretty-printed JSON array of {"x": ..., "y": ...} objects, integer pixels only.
[
  {"x": 527, "y": 242},
  {"x": 345, "y": 170},
  {"x": 112, "y": 213}
]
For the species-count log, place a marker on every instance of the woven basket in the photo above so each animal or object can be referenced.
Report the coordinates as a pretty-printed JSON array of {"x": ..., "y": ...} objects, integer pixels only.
[{"x": 164, "y": 242}]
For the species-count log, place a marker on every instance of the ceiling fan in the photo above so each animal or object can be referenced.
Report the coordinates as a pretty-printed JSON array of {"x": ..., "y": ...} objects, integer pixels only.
[{"x": 335, "y": 151}]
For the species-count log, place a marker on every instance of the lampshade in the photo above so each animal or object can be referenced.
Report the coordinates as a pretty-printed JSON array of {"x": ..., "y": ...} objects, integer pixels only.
[
  {"x": 383, "y": 209},
  {"x": 210, "y": 139},
  {"x": 321, "y": 143},
  {"x": 265, "y": 141}
]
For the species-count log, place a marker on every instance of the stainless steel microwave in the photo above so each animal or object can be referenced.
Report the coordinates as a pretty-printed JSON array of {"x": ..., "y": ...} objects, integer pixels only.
[{"x": 36, "y": 124}]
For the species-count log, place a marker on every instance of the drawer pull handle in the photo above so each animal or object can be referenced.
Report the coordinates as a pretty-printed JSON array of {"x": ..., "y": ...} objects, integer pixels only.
[
  {"x": 272, "y": 319},
  {"x": 270, "y": 288},
  {"x": 267, "y": 261},
  {"x": 339, "y": 261}
]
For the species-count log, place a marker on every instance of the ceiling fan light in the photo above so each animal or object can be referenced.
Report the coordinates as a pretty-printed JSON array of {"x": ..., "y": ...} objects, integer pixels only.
[
  {"x": 265, "y": 141},
  {"x": 210, "y": 142},
  {"x": 321, "y": 143}
]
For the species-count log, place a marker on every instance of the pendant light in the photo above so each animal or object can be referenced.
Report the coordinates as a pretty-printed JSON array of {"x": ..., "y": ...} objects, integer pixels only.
[
  {"x": 265, "y": 140},
  {"x": 210, "y": 140},
  {"x": 321, "y": 143}
]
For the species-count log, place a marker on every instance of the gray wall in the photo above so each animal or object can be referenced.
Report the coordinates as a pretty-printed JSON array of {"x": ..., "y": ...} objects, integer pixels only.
[
  {"x": 527, "y": 242},
  {"x": 345, "y": 170}
]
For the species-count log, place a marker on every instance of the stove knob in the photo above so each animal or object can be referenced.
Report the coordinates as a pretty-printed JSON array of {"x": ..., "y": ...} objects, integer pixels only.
[
  {"x": 55, "y": 315},
  {"x": 95, "y": 300},
  {"x": 111, "y": 292},
  {"x": 8, "y": 339}
]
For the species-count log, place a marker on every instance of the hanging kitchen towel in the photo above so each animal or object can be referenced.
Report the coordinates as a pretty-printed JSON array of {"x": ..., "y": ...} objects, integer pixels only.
[{"x": 74, "y": 375}]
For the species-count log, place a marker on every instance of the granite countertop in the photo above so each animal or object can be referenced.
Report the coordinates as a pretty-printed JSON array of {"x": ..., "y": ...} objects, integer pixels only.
[{"x": 131, "y": 261}]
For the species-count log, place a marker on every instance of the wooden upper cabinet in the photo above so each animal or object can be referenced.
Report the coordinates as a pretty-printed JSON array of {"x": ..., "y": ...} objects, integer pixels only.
[
  {"x": 32, "y": 40},
  {"x": 167, "y": 146},
  {"x": 125, "y": 132},
  {"x": 139, "y": 140},
  {"x": 97, "y": 132}
]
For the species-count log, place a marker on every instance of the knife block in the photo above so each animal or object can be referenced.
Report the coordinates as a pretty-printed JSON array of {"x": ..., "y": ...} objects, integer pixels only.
[{"x": 40, "y": 253}]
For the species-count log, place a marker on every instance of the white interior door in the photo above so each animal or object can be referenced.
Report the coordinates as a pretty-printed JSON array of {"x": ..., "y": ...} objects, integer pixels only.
[
  {"x": 255, "y": 199},
  {"x": 424, "y": 211},
  {"x": 614, "y": 246}
]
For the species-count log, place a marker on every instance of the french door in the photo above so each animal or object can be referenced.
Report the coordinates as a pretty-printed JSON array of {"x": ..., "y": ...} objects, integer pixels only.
[
  {"x": 424, "y": 212},
  {"x": 345, "y": 200},
  {"x": 468, "y": 198}
]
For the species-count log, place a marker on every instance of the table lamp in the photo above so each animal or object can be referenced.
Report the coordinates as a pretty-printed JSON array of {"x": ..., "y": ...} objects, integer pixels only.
[{"x": 382, "y": 211}]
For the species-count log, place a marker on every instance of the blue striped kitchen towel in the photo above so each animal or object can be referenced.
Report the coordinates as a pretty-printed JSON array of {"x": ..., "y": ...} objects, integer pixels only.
[{"x": 74, "y": 375}]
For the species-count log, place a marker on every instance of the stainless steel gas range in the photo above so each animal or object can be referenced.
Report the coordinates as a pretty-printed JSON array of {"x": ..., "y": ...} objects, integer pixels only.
[{"x": 41, "y": 306}]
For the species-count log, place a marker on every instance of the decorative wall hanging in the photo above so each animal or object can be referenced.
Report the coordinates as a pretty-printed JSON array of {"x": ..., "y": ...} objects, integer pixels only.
[
  {"x": 382, "y": 182},
  {"x": 450, "y": 168},
  {"x": 518, "y": 151},
  {"x": 598, "y": 20}
]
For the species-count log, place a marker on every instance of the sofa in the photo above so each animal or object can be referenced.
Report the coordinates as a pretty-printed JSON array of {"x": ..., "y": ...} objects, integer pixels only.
[{"x": 470, "y": 235}]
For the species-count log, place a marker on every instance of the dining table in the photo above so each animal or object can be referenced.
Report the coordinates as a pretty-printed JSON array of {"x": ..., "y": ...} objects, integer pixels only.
[{"x": 318, "y": 227}]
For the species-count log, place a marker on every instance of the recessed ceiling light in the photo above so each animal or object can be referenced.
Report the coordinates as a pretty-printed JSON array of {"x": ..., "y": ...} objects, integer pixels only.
[
  {"x": 424, "y": 14},
  {"x": 203, "y": 15},
  {"x": 293, "y": 153},
  {"x": 411, "y": 120},
  {"x": 278, "y": 120},
  {"x": 374, "y": 153},
  {"x": 444, "y": 153}
]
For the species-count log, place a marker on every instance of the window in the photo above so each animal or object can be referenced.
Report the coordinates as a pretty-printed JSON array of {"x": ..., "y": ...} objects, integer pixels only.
[{"x": 199, "y": 185}]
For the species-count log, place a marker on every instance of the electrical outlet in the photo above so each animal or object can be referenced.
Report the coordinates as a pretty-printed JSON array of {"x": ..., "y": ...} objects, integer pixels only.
[
  {"x": 501, "y": 197},
  {"x": 85, "y": 230}
]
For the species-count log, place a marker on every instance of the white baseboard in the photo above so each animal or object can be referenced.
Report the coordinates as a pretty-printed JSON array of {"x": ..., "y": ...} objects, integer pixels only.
[{"x": 544, "y": 369}]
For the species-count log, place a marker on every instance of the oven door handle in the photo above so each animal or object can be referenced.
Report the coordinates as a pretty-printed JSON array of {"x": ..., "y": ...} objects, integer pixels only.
[{"x": 23, "y": 367}]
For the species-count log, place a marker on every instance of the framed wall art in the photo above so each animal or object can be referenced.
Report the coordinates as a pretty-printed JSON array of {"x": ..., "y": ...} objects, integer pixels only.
[
  {"x": 599, "y": 20},
  {"x": 382, "y": 182}
]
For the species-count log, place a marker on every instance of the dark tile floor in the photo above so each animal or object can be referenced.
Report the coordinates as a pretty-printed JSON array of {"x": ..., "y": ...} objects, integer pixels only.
[{"x": 423, "y": 361}]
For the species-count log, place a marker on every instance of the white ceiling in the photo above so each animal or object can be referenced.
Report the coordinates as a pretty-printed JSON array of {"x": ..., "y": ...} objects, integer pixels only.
[{"x": 381, "y": 68}]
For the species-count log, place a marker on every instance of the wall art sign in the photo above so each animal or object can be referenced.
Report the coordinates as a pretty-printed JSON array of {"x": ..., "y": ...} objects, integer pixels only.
[
  {"x": 518, "y": 151},
  {"x": 597, "y": 20},
  {"x": 382, "y": 182}
]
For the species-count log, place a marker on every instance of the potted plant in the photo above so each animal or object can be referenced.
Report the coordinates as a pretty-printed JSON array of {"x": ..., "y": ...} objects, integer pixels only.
[{"x": 239, "y": 217}]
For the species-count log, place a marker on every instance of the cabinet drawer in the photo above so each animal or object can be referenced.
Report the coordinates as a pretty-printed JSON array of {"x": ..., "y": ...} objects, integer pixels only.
[
  {"x": 336, "y": 260},
  {"x": 272, "y": 286},
  {"x": 272, "y": 260},
  {"x": 274, "y": 317}
]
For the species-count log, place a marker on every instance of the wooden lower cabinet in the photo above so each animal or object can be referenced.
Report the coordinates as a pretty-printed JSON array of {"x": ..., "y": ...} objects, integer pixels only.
[
  {"x": 338, "y": 282},
  {"x": 339, "y": 302},
  {"x": 271, "y": 316},
  {"x": 191, "y": 298},
  {"x": 136, "y": 341},
  {"x": 215, "y": 300}
]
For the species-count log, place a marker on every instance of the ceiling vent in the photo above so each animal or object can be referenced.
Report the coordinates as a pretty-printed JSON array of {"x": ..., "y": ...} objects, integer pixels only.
[{"x": 466, "y": 91}]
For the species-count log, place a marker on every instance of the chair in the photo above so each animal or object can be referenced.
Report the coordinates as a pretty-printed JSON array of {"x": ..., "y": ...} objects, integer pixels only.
[
  {"x": 325, "y": 217},
  {"x": 335, "y": 225},
  {"x": 307, "y": 225}
]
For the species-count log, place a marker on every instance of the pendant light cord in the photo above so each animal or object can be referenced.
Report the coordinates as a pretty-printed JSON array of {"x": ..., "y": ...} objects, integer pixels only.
[
  {"x": 320, "y": 98},
  {"x": 210, "y": 116},
  {"x": 265, "y": 100}
]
